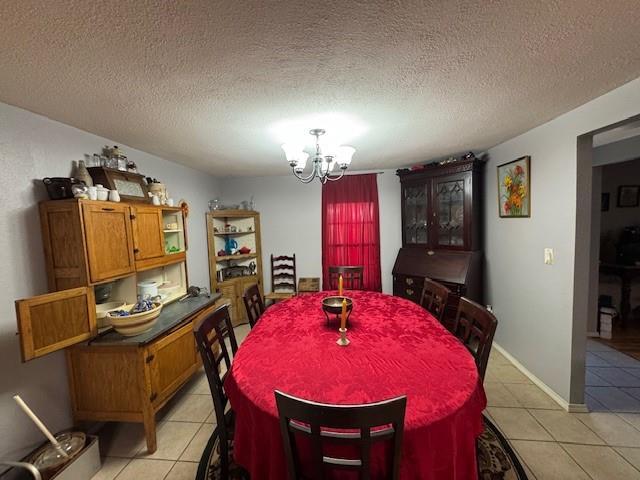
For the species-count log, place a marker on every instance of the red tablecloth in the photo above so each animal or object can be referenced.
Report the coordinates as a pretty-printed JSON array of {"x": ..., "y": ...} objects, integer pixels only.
[{"x": 396, "y": 348}]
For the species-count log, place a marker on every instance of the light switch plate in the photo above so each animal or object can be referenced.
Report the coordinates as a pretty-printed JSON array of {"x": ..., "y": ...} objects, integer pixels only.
[{"x": 548, "y": 256}]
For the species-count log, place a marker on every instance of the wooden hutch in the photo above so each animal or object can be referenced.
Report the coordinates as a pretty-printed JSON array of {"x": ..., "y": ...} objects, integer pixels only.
[
  {"x": 231, "y": 273},
  {"x": 441, "y": 231},
  {"x": 88, "y": 244}
]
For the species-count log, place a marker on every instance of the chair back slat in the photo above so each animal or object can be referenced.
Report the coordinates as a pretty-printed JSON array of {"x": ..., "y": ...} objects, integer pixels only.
[
  {"x": 283, "y": 273},
  {"x": 357, "y": 426},
  {"x": 253, "y": 304},
  {"x": 475, "y": 326},
  {"x": 352, "y": 277},
  {"x": 217, "y": 345},
  {"x": 434, "y": 298}
]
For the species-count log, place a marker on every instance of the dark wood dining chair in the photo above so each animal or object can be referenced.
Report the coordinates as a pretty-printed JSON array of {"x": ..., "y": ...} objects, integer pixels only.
[
  {"x": 253, "y": 304},
  {"x": 352, "y": 277},
  {"x": 217, "y": 345},
  {"x": 355, "y": 426},
  {"x": 434, "y": 298},
  {"x": 283, "y": 278},
  {"x": 475, "y": 326}
]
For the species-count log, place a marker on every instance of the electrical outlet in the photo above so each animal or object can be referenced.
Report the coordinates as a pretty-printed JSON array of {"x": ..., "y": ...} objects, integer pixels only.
[{"x": 548, "y": 256}]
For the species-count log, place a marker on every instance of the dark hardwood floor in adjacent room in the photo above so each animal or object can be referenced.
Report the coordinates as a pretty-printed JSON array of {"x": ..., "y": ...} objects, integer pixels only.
[{"x": 627, "y": 339}]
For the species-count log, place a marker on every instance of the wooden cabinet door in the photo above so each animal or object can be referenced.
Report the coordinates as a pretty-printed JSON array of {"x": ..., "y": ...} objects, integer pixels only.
[
  {"x": 51, "y": 322},
  {"x": 109, "y": 240},
  {"x": 148, "y": 238},
  {"x": 172, "y": 360}
]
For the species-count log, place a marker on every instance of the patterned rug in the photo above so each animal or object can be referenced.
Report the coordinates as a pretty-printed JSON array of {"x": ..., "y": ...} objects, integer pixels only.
[{"x": 496, "y": 458}]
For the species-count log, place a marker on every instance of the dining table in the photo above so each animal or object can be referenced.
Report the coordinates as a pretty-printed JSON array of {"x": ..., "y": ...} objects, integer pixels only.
[{"x": 396, "y": 348}]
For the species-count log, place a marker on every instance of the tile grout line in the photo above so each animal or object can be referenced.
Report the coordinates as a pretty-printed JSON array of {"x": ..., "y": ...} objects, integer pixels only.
[
  {"x": 578, "y": 419},
  {"x": 576, "y": 461}
]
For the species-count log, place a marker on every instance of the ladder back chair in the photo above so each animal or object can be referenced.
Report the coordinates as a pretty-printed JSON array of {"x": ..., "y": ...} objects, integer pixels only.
[
  {"x": 434, "y": 298},
  {"x": 475, "y": 326},
  {"x": 283, "y": 278},
  {"x": 217, "y": 346},
  {"x": 352, "y": 277},
  {"x": 253, "y": 304},
  {"x": 355, "y": 426}
]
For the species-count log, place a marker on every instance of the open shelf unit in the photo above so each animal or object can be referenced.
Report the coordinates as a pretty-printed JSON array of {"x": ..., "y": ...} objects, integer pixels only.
[{"x": 231, "y": 273}]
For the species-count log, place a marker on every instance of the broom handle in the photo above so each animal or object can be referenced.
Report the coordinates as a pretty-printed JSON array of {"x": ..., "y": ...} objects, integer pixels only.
[{"x": 40, "y": 425}]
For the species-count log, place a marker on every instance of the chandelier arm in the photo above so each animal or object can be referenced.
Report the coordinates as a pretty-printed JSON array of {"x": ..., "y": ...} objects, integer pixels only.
[
  {"x": 334, "y": 179},
  {"x": 307, "y": 179}
]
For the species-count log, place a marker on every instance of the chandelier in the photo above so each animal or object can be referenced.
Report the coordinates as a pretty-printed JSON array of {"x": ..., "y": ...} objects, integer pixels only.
[{"x": 323, "y": 165}]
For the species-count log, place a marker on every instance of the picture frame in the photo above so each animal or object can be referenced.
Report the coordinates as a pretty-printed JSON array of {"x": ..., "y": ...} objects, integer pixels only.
[
  {"x": 628, "y": 196},
  {"x": 604, "y": 202},
  {"x": 514, "y": 188},
  {"x": 132, "y": 187}
]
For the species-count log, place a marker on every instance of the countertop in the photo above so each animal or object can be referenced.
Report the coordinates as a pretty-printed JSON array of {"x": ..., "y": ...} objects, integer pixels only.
[{"x": 170, "y": 317}]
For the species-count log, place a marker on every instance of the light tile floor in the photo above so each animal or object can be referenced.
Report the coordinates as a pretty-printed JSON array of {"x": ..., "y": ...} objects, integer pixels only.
[
  {"x": 184, "y": 426},
  {"x": 552, "y": 444}
]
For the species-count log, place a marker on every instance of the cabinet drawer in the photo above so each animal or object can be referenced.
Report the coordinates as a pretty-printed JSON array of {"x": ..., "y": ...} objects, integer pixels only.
[{"x": 408, "y": 287}]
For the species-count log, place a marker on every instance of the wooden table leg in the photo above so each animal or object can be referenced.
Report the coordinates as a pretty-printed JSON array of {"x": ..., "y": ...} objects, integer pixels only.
[{"x": 150, "y": 432}]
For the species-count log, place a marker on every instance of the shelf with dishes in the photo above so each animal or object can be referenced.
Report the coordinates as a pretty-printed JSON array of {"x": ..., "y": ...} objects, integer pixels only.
[
  {"x": 239, "y": 256},
  {"x": 173, "y": 230},
  {"x": 163, "y": 284},
  {"x": 233, "y": 233}
]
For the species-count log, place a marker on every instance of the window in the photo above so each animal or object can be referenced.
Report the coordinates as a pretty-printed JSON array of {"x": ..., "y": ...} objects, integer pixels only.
[{"x": 351, "y": 227}]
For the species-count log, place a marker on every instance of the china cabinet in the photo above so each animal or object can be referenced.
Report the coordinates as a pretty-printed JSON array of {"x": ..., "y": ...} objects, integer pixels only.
[
  {"x": 441, "y": 230},
  {"x": 235, "y": 256}
]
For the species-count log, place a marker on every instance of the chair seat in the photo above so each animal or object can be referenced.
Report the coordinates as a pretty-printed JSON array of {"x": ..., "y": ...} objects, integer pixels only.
[{"x": 279, "y": 295}]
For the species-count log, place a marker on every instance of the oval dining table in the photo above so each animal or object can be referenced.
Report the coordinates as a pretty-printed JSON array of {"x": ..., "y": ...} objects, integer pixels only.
[{"x": 397, "y": 348}]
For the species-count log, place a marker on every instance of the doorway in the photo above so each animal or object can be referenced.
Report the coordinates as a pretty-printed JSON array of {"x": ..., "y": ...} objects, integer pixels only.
[{"x": 612, "y": 374}]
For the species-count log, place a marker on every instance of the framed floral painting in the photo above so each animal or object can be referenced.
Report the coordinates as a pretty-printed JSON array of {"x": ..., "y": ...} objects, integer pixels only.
[{"x": 514, "y": 196}]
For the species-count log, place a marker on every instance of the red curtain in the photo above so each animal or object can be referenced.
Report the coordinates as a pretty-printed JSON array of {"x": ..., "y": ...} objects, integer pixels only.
[{"x": 351, "y": 227}]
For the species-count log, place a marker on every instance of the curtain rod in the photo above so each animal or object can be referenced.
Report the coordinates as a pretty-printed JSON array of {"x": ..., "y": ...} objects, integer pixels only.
[{"x": 363, "y": 173}]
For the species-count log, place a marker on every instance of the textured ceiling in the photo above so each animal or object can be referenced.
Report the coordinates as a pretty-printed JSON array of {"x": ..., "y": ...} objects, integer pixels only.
[{"x": 218, "y": 85}]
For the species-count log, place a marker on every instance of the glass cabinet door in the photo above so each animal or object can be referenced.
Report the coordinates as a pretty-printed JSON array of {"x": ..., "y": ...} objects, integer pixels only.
[
  {"x": 415, "y": 215},
  {"x": 449, "y": 201}
]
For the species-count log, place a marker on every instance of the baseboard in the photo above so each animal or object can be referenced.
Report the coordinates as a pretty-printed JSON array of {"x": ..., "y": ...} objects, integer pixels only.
[
  {"x": 569, "y": 407},
  {"x": 593, "y": 335}
]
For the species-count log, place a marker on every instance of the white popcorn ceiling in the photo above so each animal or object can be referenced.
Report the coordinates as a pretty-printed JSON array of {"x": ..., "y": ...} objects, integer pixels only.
[{"x": 218, "y": 85}]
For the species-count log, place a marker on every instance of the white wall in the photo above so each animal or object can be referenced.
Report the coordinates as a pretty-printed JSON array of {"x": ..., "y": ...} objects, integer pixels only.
[
  {"x": 535, "y": 302},
  {"x": 33, "y": 147},
  {"x": 290, "y": 214}
]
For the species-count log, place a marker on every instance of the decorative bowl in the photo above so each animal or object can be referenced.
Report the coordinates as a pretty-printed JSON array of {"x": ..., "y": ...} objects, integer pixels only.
[
  {"x": 135, "y": 323},
  {"x": 333, "y": 306},
  {"x": 103, "y": 308}
]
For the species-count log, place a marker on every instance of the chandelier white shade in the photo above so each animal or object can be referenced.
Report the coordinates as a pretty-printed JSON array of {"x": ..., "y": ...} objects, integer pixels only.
[{"x": 323, "y": 165}]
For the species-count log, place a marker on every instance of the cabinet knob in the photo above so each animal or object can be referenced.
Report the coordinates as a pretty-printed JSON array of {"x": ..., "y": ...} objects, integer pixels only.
[
  {"x": 153, "y": 397},
  {"x": 409, "y": 281},
  {"x": 409, "y": 291},
  {"x": 136, "y": 250}
]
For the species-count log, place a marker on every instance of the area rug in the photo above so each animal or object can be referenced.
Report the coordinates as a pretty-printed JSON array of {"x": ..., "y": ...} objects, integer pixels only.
[{"x": 496, "y": 458}]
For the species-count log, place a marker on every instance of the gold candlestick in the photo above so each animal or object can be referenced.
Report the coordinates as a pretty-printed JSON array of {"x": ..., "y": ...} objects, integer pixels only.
[{"x": 343, "y": 341}]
